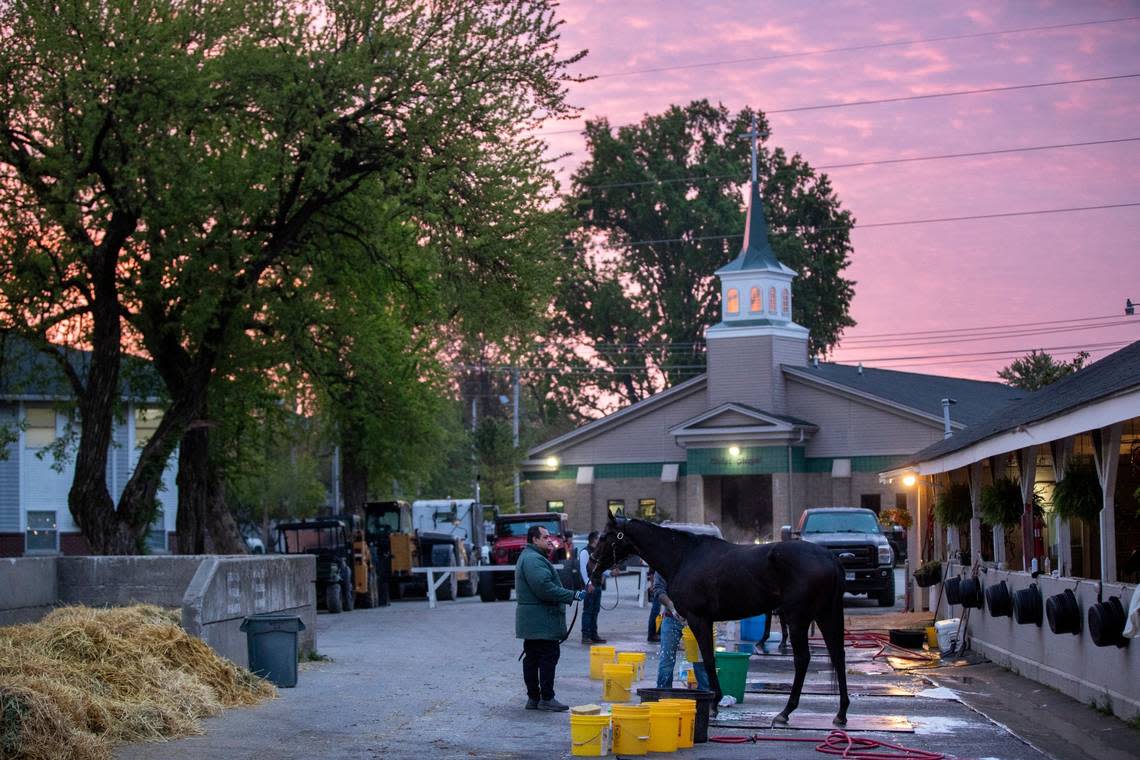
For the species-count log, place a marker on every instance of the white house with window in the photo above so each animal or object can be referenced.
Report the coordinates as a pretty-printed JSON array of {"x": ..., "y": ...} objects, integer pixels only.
[{"x": 38, "y": 459}]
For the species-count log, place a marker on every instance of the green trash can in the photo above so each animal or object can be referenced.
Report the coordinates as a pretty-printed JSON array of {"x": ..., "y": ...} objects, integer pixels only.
[
  {"x": 732, "y": 670},
  {"x": 271, "y": 641}
]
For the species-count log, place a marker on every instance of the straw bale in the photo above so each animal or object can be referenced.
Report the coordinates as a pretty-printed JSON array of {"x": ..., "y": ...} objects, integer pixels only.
[{"x": 83, "y": 679}]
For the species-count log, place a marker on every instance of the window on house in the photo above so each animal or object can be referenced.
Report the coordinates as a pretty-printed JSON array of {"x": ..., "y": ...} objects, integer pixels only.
[
  {"x": 755, "y": 303},
  {"x": 42, "y": 534},
  {"x": 647, "y": 509},
  {"x": 146, "y": 422},
  {"x": 39, "y": 427},
  {"x": 785, "y": 302},
  {"x": 771, "y": 300},
  {"x": 871, "y": 501},
  {"x": 156, "y": 536},
  {"x": 733, "y": 301},
  {"x": 616, "y": 507},
  {"x": 900, "y": 501},
  {"x": 555, "y": 505}
]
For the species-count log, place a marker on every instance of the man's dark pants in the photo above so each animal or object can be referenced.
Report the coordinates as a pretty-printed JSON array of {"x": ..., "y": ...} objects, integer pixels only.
[
  {"x": 590, "y": 606},
  {"x": 540, "y": 658}
]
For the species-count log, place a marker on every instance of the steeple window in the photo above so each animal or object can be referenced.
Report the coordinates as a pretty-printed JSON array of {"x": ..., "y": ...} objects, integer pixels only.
[
  {"x": 785, "y": 302},
  {"x": 755, "y": 303},
  {"x": 733, "y": 301},
  {"x": 771, "y": 300}
]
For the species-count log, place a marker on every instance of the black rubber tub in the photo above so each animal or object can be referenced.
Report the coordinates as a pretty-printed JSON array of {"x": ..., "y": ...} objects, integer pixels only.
[{"x": 703, "y": 698}]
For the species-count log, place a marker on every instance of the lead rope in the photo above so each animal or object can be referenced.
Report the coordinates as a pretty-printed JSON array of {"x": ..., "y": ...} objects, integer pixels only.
[{"x": 617, "y": 591}]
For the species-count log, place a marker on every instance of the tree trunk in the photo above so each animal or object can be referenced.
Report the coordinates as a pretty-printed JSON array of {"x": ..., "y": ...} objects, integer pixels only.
[
  {"x": 354, "y": 479},
  {"x": 204, "y": 524}
]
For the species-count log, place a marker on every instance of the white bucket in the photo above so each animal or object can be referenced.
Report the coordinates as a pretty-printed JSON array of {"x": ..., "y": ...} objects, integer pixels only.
[{"x": 947, "y": 631}]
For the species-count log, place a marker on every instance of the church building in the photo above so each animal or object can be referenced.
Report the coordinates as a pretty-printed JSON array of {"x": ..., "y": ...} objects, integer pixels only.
[{"x": 765, "y": 433}]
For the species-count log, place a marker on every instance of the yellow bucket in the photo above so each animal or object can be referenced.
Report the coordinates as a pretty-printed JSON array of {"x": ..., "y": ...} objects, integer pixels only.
[
  {"x": 932, "y": 638},
  {"x": 590, "y": 735},
  {"x": 631, "y": 729},
  {"x": 664, "y": 727},
  {"x": 636, "y": 659},
  {"x": 617, "y": 681},
  {"x": 688, "y": 709},
  {"x": 692, "y": 651},
  {"x": 599, "y": 656}
]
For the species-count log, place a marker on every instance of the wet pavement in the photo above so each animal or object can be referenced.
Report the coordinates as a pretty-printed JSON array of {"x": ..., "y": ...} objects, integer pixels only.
[{"x": 408, "y": 681}]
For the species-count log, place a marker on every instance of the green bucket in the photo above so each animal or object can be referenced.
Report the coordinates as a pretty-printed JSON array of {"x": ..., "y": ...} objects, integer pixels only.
[{"x": 732, "y": 670}]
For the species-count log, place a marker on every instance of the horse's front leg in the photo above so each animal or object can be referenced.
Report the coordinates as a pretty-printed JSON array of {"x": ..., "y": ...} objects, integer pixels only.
[
  {"x": 801, "y": 654},
  {"x": 703, "y": 632}
]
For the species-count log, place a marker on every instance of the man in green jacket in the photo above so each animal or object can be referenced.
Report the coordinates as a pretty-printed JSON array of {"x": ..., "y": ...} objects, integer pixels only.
[{"x": 540, "y": 619}]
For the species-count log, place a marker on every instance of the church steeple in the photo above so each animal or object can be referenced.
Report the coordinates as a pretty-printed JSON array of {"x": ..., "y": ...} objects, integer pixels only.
[{"x": 756, "y": 333}]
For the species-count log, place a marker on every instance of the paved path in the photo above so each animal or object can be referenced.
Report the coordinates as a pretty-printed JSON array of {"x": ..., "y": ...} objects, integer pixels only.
[{"x": 406, "y": 681}]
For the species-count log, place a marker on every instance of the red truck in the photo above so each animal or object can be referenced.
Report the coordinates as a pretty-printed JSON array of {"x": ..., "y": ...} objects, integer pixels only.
[{"x": 507, "y": 544}]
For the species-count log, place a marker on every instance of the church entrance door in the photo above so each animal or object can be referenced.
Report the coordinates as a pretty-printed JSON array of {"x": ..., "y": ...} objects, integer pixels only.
[{"x": 746, "y": 507}]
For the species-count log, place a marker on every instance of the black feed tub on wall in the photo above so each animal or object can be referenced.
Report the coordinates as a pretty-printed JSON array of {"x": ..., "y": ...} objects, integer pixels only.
[
  {"x": 1027, "y": 605},
  {"x": 1063, "y": 613},
  {"x": 970, "y": 592},
  {"x": 951, "y": 589},
  {"x": 1106, "y": 623},
  {"x": 998, "y": 599}
]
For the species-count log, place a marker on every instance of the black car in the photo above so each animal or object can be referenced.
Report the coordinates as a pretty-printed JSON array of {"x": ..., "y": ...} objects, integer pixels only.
[{"x": 854, "y": 536}]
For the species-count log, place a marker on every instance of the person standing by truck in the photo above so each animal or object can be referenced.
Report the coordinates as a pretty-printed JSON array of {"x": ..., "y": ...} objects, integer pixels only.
[{"x": 540, "y": 619}]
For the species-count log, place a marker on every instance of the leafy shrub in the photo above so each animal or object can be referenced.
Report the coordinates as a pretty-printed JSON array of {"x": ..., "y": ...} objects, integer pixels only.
[
  {"x": 1078, "y": 494},
  {"x": 952, "y": 507},
  {"x": 1001, "y": 503}
]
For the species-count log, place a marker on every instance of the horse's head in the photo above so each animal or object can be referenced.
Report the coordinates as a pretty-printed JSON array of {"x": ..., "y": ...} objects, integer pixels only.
[{"x": 613, "y": 546}]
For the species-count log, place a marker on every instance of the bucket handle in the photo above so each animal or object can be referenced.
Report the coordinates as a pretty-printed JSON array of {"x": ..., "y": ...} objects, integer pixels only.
[{"x": 591, "y": 740}]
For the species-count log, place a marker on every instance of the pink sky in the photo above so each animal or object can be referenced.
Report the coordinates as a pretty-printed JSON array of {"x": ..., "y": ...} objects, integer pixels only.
[{"x": 928, "y": 277}]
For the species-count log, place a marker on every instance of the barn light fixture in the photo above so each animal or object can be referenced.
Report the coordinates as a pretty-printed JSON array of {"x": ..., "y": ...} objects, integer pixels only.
[
  {"x": 552, "y": 462},
  {"x": 734, "y": 451},
  {"x": 908, "y": 480}
]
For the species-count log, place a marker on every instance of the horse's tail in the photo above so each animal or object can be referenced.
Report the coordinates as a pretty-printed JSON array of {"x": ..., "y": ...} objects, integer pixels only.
[{"x": 840, "y": 588}]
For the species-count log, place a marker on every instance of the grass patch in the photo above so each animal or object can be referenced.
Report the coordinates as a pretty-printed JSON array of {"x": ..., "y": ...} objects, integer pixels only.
[{"x": 313, "y": 656}]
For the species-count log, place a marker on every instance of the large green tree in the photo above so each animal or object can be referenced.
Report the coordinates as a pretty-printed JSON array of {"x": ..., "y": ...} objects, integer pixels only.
[
  {"x": 641, "y": 299},
  {"x": 167, "y": 164},
  {"x": 1038, "y": 369}
]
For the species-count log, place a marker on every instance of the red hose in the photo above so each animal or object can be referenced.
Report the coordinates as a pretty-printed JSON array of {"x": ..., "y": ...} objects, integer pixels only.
[{"x": 842, "y": 744}]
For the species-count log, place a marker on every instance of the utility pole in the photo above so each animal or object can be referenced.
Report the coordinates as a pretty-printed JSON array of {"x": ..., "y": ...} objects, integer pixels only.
[
  {"x": 474, "y": 450},
  {"x": 515, "y": 428}
]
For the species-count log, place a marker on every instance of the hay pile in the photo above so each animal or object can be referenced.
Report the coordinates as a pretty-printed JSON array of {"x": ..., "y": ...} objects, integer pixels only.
[{"x": 84, "y": 679}]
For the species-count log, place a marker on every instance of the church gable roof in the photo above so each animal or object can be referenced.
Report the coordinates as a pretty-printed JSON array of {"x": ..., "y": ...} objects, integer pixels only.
[
  {"x": 921, "y": 394},
  {"x": 610, "y": 421},
  {"x": 731, "y": 417}
]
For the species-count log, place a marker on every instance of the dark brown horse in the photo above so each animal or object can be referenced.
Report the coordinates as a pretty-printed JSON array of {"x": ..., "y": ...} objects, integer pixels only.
[{"x": 710, "y": 580}]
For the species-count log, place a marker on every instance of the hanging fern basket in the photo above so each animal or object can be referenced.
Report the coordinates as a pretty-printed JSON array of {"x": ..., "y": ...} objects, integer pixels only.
[
  {"x": 1001, "y": 503},
  {"x": 1078, "y": 494},
  {"x": 952, "y": 507}
]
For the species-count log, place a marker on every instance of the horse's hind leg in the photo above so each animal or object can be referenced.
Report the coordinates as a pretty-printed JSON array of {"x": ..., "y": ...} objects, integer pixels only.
[
  {"x": 801, "y": 655},
  {"x": 831, "y": 626}
]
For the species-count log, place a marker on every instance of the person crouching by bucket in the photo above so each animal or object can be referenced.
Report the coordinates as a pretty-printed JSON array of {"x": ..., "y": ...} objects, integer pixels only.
[{"x": 540, "y": 619}]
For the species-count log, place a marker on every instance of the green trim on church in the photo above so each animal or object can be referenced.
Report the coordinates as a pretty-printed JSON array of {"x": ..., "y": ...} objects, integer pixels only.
[{"x": 755, "y": 460}]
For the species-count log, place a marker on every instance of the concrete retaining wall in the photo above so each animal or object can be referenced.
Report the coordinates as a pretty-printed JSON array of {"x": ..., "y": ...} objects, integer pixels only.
[
  {"x": 1074, "y": 665},
  {"x": 214, "y": 593},
  {"x": 225, "y": 590},
  {"x": 28, "y": 589}
]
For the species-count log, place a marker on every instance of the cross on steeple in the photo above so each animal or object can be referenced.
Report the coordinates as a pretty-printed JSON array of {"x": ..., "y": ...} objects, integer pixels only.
[{"x": 753, "y": 135}]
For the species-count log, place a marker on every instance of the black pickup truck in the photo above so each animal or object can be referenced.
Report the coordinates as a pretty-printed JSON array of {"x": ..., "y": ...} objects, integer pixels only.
[{"x": 854, "y": 536}]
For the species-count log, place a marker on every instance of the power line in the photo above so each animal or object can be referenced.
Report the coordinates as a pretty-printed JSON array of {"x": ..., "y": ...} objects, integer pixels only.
[
  {"x": 989, "y": 336},
  {"x": 907, "y": 222},
  {"x": 906, "y": 98},
  {"x": 866, "y": 46},
  {"x": 880, "y": 162},
  {"x": 1016, "y": 351},
  {"x": 936, "y": 333}
]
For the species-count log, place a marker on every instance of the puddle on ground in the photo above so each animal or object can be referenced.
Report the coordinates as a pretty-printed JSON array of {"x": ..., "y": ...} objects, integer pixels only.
[
  {"x": 938, "y": 692},
  {"x": 928, "y": 724}
]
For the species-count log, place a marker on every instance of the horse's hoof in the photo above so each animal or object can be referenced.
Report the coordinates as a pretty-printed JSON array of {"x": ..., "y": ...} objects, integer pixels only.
[
  {"x": 839, "y": 722},
  {"x": 780, "y": 720}
]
